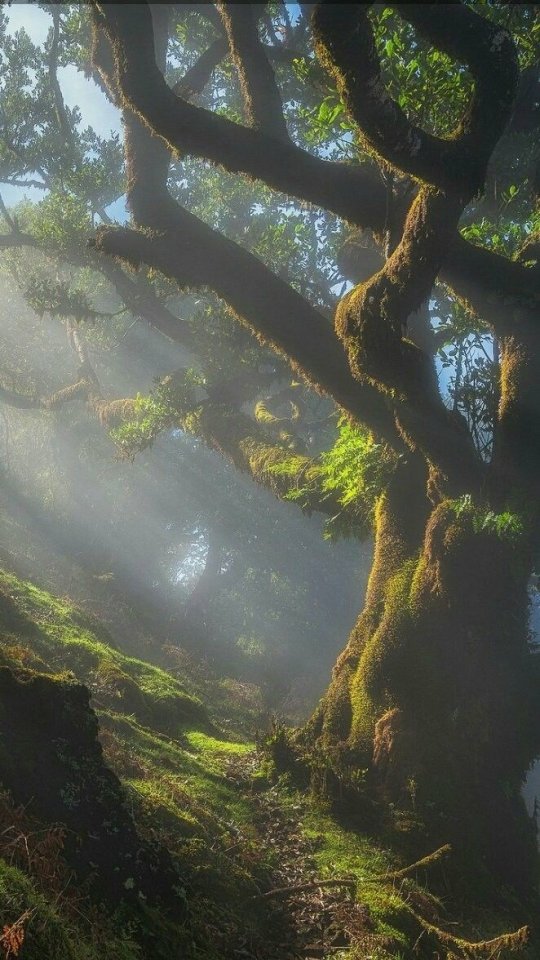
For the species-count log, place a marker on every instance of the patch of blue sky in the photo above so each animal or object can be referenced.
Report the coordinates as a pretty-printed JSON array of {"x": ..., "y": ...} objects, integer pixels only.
[
  {"x": 32, "y": 19},
  {"x": 96, "y": 111},
  {"x": 293, "y": 9}
]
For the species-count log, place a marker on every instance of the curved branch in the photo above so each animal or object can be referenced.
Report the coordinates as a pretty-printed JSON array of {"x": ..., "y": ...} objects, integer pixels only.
[
  {"x": 196, "y": 256},
  {"x": 195, "y": 79},
  {"x": 141, "y": 301},
  {"x": 440, "y": 436},
  {"x": 345, "y": 45},
  {"x": 372, "y": 319},
  {"x": 353, "y": 193}
]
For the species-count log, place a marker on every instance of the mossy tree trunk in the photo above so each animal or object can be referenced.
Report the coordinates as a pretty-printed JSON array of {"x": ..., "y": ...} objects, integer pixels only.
[{"x": 436, "y": 692}]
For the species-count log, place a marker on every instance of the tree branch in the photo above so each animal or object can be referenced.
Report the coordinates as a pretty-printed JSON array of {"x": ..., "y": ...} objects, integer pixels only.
[
  {"x": 372, "y": 319},
  {"x": 346, "y": 46},
  {"x": 262, "y": 99},
  {"x": 195, "y": 79},
  {"x": 52, "y": 62},
  {"x": 347, "y": 190},
  {"x": 354, "y": 193},
  {"x": 196, "y": 256}
]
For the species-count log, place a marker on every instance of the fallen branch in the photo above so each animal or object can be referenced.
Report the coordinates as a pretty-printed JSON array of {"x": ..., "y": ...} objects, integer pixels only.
[
  {"x": 438, "y": 854},
  {"x": 301, "y": 887},
  {"x": 490, "y": 948}
]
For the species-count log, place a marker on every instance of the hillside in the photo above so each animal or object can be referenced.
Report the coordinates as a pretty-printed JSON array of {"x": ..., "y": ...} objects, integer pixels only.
[{"x": 176, "y": 838}]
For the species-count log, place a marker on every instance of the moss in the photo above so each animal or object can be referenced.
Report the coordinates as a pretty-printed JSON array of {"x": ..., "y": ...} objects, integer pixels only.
[
  {"x": 342, "y": 852},
  {"x": 206, "y": 744},
  {"x": 177, "y": 782},
  {"x": 60, "y": 635},
  {"x": 44, "y": 932},
  {"x": 172, "y": 765}
]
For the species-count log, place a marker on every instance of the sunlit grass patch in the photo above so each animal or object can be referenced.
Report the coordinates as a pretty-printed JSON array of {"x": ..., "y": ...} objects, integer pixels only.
[
  {"x": 61, "y": 637},
  {"x": 203, "y": 743}
]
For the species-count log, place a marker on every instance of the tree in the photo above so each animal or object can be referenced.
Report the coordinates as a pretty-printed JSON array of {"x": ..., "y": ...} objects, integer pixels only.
[
  {"x": 437, "y": 684},
  {"x": 437, "y": 691}
]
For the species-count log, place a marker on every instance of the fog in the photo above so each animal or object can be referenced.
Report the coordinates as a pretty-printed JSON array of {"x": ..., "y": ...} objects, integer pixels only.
[{"x": 130, "y": 541}]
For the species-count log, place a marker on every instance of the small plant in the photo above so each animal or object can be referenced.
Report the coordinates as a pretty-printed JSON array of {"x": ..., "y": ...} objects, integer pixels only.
[
  {"x": 412, "y": 790},
  {"x": 505, "y": 525},
  {"x": 13, "y": 935}
]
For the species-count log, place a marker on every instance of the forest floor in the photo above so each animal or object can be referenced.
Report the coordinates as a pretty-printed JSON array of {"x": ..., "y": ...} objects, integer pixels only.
[
  {"x": 321, "y": 916},
  {"x": 262, "y": 869}
]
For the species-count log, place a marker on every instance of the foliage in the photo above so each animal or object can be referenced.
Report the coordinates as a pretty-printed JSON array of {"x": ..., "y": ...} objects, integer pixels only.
[
  {"x": 467, "y": 356},
  {"x": 357, "y": 469},
  {"x": 412, "y": 68},
  {"x": 59, "y": 299},
  {"x": 80, "y": 174},
  {"x": 506, "y": 525}
]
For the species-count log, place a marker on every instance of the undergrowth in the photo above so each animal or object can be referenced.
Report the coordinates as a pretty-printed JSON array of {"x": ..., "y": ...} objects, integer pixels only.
[{"x": 174, "y": 764}]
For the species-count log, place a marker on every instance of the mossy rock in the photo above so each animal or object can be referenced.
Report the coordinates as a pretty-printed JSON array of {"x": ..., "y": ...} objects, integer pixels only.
[{"x": 51, "y": 760}]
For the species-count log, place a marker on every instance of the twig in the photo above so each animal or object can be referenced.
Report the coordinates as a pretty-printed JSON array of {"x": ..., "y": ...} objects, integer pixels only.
[
  {"x": 299, "y": 888},
  {"x": 418, "y": 864}
]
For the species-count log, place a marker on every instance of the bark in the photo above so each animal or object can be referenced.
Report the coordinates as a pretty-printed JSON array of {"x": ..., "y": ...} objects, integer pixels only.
[
  {"x": 262, "y": 99},
  {"x": 437, "y": 691},
  {"x": 195, "y": 80},
  {"x": 355, "y": 193}
]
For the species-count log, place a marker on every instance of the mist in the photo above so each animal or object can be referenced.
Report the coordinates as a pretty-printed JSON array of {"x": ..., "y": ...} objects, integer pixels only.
[{"x": 130, "y": 541}]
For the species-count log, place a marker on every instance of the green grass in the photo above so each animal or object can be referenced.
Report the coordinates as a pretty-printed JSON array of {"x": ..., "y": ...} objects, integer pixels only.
[
  {"x": 202, "y": 743},
  {"x": 51, "y": 635},
  {"x": 182, "y": 778},
  {"x": 171, "y": 760},
  {"x": 395, "y": 902},
  {"x": 48, "y": 933}
]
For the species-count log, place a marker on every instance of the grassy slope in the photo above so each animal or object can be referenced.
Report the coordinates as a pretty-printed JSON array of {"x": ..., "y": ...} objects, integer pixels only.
[{"x": 172, "y": 760}]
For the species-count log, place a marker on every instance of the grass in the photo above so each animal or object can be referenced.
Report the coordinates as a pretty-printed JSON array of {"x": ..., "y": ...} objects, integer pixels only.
[
  {"x": 52, "y": 635},
  {"x": 172, "y": 761},
  {"x": 48, "y": 934},
  {"x": 158, "y": 739},
  {"x": 401, "y": 908}
]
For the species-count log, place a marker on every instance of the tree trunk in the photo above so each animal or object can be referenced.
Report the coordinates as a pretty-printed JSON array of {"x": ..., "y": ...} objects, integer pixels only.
[
  {"x": 436, "y": 692},
  {"x": 194, "y": 625}
]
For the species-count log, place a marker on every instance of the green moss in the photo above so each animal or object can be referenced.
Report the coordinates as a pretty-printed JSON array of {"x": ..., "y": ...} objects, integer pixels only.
[
  {"x": 61, "y": 636},
  {"x": 206, "y": 744},
  {"x": 175, "y": 771},
  {"x": 342, "y": 852},
  {"x": 381, "y": 655}
]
